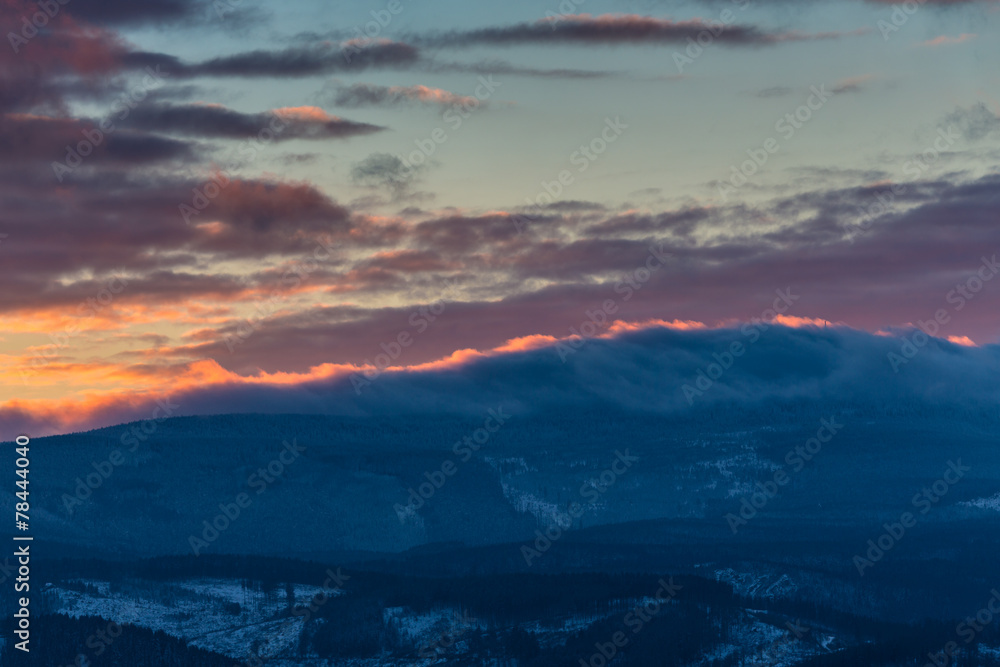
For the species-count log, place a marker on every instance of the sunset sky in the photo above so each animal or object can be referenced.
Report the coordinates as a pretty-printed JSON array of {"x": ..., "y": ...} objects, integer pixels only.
[{"x": 250, "y": 193}]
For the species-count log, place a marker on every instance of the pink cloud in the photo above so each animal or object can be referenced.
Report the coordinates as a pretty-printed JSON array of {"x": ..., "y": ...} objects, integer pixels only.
[
  {"x": 962, "y": 340},
  {"x": 945, "y": 40}
]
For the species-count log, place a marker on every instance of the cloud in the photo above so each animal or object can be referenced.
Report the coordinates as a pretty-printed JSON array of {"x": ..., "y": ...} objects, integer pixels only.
[
  {"x": 216, "y": 121},
  {"x": 363, "y": 94},
  {"x": 410, "y": 261},
  {"x": 945, "y": 40},
  {"x": 41, "y": 138},
  {"x": 271, "y": 210},
  {"x": 516, "y": 291},
  {"x": 301, "y": 61},
  {"x": 854, "y": 84},
  {"x": 975, "y": 122},
  {"x": 161, "y": 13},
  {"x": 382, "y": 170},
  {"x": 612, "y": 29},
  {"x": 502, "y": 68},
  {"x": 539, "y": 281},
  {"x": 324, "y": 58},
  {"x": 643, "y": 369},
  {"x": 498, "y": 285},
  {"x": 39, "y": 72},
  {"x": 576, "y": 206},
  {"x": 129, "y": 13},
  {"x": 168, "y": 260}
]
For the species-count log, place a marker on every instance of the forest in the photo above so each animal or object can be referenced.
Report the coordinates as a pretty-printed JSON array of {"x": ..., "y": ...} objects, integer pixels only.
[{"x": 508, "y": 618}]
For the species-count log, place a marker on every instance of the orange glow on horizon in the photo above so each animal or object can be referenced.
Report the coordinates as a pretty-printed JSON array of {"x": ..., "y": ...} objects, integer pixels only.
[{"x": 91, "y": 389}]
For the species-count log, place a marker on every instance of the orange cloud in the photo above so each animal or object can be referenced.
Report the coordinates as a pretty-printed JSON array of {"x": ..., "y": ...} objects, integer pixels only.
[
  {"x": 306, "y": 113},
  {"x": 962, "y": 340},
  {"x": 527, "y": 343},
  {"x": 799, "y": 322},
  {"x": 620, "y": 326},
  {"x": 945, "y": 40}
]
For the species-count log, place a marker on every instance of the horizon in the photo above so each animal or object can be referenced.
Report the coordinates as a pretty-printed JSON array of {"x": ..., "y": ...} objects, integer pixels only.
[{"x": 274, "y": 213}]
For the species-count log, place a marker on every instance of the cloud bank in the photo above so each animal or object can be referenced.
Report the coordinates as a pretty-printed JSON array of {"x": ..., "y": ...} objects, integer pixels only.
[{"x": 668, "y": 368}]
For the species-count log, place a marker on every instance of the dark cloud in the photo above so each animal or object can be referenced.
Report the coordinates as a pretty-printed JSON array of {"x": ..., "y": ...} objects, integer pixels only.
[
  {"x": 303, "y": 61},
  {"x": 127, "y": 12},
  {"x": 645, "y": 371},
  {"x": 168, "y": 259},
  {"x": 459, "y": 234},
  {"x": 900, "y": 269},
  {"x": 188, "y": 14},
  {"x": 571, "y": 206},
  {"x": 306, "y": 61},
  {"x": 680, "y": 223},
  {"x": 298, "y": 205},
  {"x": 172, "y": 65},
  {"x": 382, "y": 170},
  {"x": 39, "y": 69},
  {"x": 896, "y": 269},
  {"x": 326, "y": 59},
  {"x": 203, "y": 120},
  {"x": 975, "y": 122},
  {"x": 612, "y": 29},
  {"x": 851, "y": 85},
  {"x": 410, "y": 261},
  {"x": 76, "y": 143}
]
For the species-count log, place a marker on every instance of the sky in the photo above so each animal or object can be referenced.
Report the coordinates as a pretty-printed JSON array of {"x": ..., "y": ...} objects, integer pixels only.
[{"x": 239, "y": 200}]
